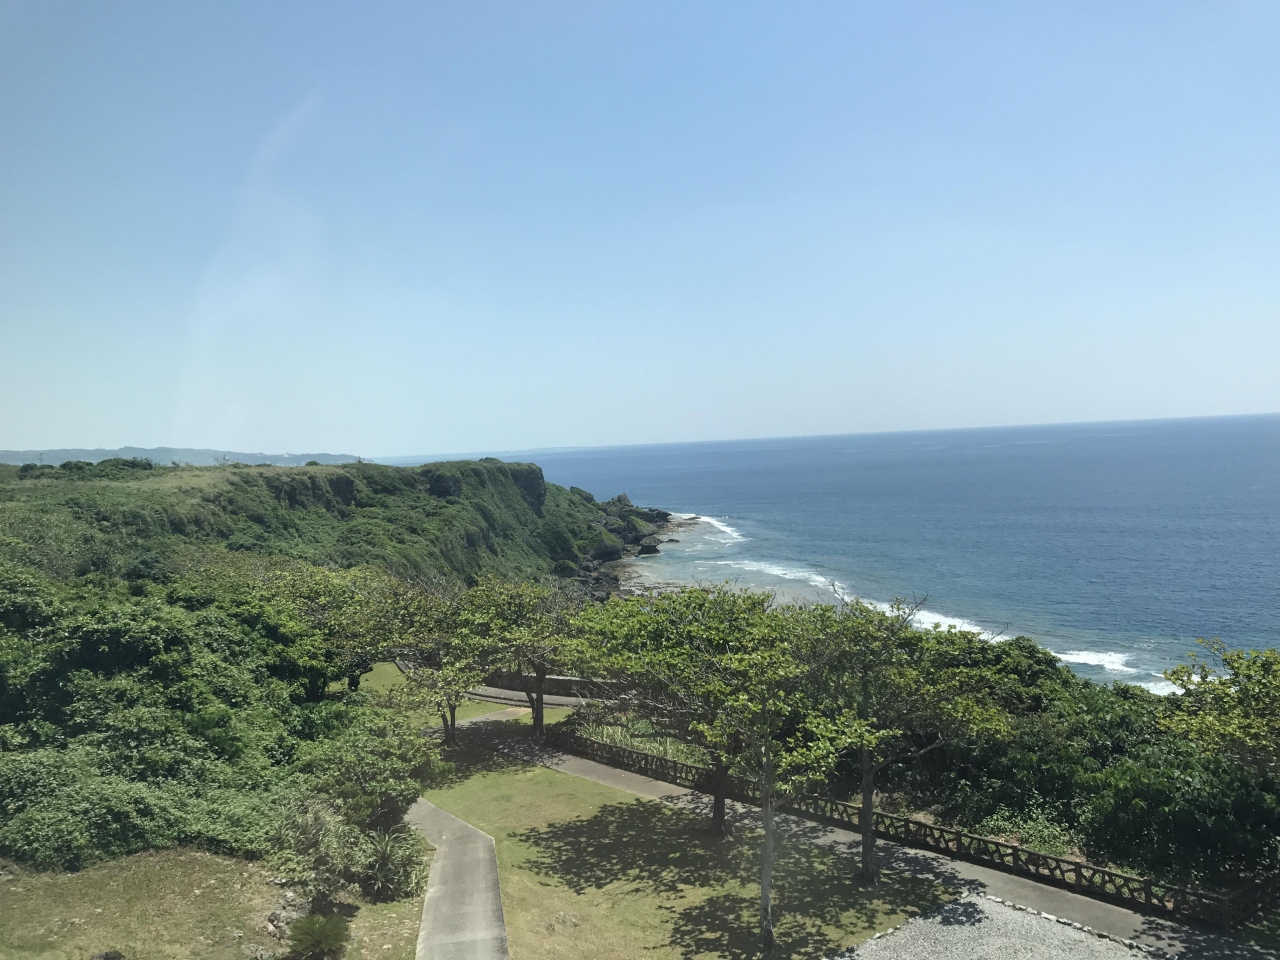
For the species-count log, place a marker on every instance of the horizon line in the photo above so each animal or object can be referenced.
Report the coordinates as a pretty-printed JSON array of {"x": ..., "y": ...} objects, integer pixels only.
[{"x": 531, "y": 451}]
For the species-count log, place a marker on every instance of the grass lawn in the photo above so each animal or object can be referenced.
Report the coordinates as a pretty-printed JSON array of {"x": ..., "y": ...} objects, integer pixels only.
[
  {"x": 171, "y": 905},
  {"x": 588, "y": 871},
  {"x": 387, "y": 676}
]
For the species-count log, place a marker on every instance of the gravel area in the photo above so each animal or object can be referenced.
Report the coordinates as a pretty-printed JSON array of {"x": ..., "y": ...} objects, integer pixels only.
[{"x": 975, "y": 928}]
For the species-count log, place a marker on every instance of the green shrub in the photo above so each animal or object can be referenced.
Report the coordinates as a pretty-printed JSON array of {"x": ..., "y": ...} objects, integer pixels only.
[
  {"x": 317, "y": 937},
  {"x": 1033, "y": 827},
  {"x": 315, "y": 848},
  {"x": 373, "y": 771},
  {"x": 90, "y": 820},
  {"x": 397, "y": 864}
]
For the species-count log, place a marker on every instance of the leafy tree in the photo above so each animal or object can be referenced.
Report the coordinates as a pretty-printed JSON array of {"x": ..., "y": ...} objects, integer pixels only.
[
  {"x": 1231, "y": 704},
  {"x": 344, "y": 610},
  {"x": 644, "y": 648},
  {"x": 531, "y": 623},
  {"x": 898, "y": 692},
  {"x": 738, "y": 668},
  {"x": 425, "y": 629},
  {"x": 373, "y": 771}
]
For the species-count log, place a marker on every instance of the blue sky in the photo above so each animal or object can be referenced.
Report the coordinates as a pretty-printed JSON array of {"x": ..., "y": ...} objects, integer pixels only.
[{"x": 399, "y": 228}]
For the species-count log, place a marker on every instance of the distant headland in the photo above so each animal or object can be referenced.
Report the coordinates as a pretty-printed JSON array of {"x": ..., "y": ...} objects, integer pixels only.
[{"x": 188, "y": 456}]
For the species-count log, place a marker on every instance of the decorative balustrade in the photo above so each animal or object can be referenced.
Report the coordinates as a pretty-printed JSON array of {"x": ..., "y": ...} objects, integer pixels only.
[{"x": 1090, "y": 880}]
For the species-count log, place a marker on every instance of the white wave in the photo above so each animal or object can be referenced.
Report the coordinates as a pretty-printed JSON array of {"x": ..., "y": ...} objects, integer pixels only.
[
  {"x": 924, "y": 619},
  {"x": 811, "y": 577},
  {"x": 730, "y": 535},
  {"x": 1110, "y": 662},
  {"x": 1161, "y": 687},
  {"x": 927, "y": 618}
]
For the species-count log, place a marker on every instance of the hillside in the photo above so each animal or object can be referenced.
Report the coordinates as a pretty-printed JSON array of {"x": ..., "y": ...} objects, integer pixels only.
[
  {"x": 129, "y": 518},
  {"x": 188, "y": 456}
]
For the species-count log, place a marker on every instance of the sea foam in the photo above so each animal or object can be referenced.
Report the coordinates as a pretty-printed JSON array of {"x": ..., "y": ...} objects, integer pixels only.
[
  {"x": 730, "y": 535},
  {"x": 924, "y": 619},
  {"x": 1110, "y": 662}
]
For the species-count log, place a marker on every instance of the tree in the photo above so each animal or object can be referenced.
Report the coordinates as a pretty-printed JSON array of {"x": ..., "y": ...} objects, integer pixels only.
[
  {"x": 426, "y": 629},
  {"x": 1230, "y": 704},
  {"x": 735, "y": 668},
  {"x": 344, "y": 611},
  {"x": 647, "y": 648},
  {"x": 908, "y": 691},
  {"x": 532, "y": 623}
]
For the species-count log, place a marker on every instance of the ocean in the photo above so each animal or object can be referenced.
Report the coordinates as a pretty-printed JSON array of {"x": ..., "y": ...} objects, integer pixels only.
[{"x": 1115, "y": 545}]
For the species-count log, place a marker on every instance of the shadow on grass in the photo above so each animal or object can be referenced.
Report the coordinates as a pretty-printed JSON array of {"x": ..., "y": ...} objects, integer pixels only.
[
  {"x": 710, "y": 886},
  {"x": 471, "y": 758}
]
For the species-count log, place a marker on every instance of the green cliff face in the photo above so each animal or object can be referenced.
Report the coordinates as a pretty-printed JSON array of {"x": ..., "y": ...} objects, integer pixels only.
[{"x": 127, "y": 518}]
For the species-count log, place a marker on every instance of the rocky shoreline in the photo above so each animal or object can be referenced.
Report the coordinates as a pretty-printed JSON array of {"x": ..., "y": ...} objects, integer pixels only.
[{"x": 641, "y": 530}]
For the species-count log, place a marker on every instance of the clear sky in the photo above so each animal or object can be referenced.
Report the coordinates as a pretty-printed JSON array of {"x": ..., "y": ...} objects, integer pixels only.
[{"x": 396, "y": 228}]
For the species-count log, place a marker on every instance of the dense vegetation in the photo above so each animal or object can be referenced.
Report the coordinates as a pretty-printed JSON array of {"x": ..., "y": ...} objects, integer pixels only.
[
  {"x": 170, "y": 639},
  {"x": 134, "y": 520},
  {"x": 167, "y": 641},
  {"x": 1000, "y": 738}
]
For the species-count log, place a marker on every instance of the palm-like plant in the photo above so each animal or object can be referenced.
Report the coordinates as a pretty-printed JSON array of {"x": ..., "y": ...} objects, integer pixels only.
[{"x": 318, "y": 937}]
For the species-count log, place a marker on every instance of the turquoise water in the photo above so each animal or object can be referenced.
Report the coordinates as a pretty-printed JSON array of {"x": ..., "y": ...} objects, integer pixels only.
[{"x": 1115, "y": 545}]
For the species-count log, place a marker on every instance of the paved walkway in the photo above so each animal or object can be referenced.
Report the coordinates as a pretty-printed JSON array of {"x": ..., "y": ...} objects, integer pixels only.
[
  {"x": 462, "y": 912},
  {"x": 518, "y": 698},
  {"x": 1176, "y": 939}
]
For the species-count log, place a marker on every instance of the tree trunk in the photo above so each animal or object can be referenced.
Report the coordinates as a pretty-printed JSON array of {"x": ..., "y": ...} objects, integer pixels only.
[
  {"x": 867, "y": 817},
  {"x": 453, "y": 724},
  {"x": 353, "y": 682},
  {"x": 719, "y": 791},
  {"x": 766, "y": 854},
  {"x": 446, "y": 726},
  {"x": 539, "y": 680}
]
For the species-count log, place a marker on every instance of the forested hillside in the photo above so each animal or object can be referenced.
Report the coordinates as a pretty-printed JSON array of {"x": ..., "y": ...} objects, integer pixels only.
[
  {"x": 166, "y": 650},
  {"x": 134, "y": 519}
]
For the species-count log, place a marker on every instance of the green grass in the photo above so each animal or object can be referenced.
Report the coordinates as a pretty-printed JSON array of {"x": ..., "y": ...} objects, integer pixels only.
[
  {"x": 172, "y": 905},
  {"x": 388, "y": 931},
  {"x": 588, "y": 871},
  {"x": 387, "y": 676}
]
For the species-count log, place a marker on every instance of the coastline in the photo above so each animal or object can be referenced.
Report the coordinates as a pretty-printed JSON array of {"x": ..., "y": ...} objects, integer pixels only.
[{"x": 707, "y": 550}]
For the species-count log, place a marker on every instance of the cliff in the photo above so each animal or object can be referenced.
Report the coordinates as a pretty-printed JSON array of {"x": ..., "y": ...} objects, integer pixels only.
[{"x": 125, "y": 517}]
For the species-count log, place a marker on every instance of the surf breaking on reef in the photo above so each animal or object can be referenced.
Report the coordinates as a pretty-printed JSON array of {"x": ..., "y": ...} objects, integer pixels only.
[
  {"x": 820, "y": 586},
  {"x": 686, "y": 565}
]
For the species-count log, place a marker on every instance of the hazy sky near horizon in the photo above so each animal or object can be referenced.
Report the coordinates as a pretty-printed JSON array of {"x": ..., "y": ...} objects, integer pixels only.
[{"x": 412, "y": 227}]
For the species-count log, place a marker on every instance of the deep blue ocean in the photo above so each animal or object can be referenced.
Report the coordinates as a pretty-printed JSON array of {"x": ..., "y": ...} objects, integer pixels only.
[{"x": 1115, "y": 545}]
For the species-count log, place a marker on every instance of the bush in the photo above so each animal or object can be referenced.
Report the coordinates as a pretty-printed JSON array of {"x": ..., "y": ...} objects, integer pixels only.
[
  {"x": 90, "y": 820},
  {"x": 374, "y": 771},
  {"x": 1174, "y": 811},
  {"x": 317, "y": 849},
  {"x": 397, "y": 865},
  {"x": 316, "y": 937},
  {"x": 1033, "y": 827}
]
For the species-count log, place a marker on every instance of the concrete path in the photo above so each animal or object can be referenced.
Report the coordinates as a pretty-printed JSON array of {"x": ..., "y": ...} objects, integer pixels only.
[
  {"x": 462, "y": 912},
  {"x": 517, "y": 697},
  {"x": 1178, "y": 940}
]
